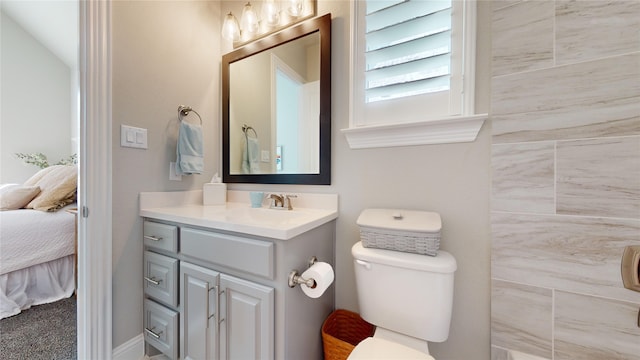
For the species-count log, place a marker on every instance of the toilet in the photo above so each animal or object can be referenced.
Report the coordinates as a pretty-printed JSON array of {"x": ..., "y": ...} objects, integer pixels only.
[{"x": 407, "y": 296}]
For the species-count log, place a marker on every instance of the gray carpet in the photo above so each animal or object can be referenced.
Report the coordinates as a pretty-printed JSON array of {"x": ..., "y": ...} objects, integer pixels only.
[{"x": 45, "y": 331}]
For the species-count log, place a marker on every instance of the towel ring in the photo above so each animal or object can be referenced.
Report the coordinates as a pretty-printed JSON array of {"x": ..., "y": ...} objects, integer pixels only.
[
  {"x": 246, "y": 128},
  {"x": 185, "y": 110}
]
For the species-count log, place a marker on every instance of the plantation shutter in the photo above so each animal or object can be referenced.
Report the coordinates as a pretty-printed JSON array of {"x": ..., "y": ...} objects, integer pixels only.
[{"x": 407, "y": 48}]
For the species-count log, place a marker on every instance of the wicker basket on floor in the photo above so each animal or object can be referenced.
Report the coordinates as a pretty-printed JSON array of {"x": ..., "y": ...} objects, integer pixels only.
[{"x": 341, "y": 332}]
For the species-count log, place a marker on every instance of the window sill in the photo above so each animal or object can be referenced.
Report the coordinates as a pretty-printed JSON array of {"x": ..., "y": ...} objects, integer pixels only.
[{"x": 437, "y": 131}]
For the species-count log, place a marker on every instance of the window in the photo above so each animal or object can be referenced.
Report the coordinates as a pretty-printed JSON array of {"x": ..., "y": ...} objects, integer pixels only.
[{"x": 413, "y": 73}]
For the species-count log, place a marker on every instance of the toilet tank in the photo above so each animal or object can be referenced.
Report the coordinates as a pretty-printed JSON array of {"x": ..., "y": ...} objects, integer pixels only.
[{"x": 407, "y": 293}]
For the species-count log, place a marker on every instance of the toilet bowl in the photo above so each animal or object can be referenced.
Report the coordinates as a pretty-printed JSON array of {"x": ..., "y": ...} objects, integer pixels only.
[{"x": 374, "y": 348}]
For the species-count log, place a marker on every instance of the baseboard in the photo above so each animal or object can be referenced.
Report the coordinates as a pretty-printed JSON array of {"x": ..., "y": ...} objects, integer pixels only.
[{"x": 131, "y": 350}]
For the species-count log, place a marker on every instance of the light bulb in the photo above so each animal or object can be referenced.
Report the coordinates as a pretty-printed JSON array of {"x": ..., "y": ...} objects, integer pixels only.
[
  {"x": 230, "y": 28},
  {"x": 270, "y": 12},
  {"x": 296, "y": 7},
  {"x": 248, "y": 22}
]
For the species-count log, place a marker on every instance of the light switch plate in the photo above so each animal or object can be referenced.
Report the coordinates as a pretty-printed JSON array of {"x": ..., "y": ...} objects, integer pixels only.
[
  {"x": 133, "y": 137},
  {"x": 631, "y": 268}
]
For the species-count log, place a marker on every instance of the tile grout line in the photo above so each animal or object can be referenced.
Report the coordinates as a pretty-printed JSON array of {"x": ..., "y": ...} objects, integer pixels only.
[
  {"x": 553, "y": 324},
  {"x": 592, "y": 138},
  {"x": 555, "y": 65},
  {"x": 555, "y": 177},
  {"x": 566, "y": 291},
  {"x": 616, "y": 218},
  {"x": 555, "y": 36}
]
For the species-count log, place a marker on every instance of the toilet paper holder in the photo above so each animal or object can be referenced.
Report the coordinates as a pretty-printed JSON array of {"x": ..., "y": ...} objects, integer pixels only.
[{"x": 296, "y": 279}]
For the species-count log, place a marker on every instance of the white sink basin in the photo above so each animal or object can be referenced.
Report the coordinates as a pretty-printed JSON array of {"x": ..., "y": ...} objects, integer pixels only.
[{"x": 241, "y": 218}]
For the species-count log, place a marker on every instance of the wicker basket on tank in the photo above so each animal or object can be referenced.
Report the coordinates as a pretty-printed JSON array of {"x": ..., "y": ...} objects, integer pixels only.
[
  {"x": 405, "y": 241},
  {"x": 411, "y": 231},
  {"x": 341, "y": 332}
]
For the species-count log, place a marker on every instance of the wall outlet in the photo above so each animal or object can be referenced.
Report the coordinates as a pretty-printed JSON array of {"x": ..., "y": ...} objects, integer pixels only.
[
  {"x": 172, "y": 172},
  {"x": 265, "y": 156}
]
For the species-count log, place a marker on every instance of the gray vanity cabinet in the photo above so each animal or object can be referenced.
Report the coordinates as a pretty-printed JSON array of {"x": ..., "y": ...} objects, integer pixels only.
[
  {"x": 234, "y": 301},
  {"x": 224, "y": 317}
]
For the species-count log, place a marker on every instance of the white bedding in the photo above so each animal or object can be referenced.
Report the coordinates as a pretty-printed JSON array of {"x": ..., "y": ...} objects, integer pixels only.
[
  {"x": 37, "y": 258},
  {"x": 37, "y": 284},
  {"x": 30, "y": 237}
]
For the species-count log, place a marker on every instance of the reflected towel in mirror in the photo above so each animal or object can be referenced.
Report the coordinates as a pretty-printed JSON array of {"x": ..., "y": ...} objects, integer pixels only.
[
  {"x": 250, "y": 160},
  {"x": 189, "y": 150}
]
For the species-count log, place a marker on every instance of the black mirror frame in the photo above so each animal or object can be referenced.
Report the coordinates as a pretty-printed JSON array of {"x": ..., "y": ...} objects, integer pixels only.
[{"x": 323, "y": 25}]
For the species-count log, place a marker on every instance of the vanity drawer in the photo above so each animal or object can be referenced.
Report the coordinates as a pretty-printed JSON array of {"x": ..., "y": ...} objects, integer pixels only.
[
  {"x": 161, "y": 328},
  {"x": 247, "y": 255},
  {"x": 161, "y": 236},
  {"x": 161, "y": 278}
]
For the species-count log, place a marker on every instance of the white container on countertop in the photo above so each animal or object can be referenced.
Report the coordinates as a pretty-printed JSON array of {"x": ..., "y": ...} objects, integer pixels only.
[{"x": 215, "y": 192}]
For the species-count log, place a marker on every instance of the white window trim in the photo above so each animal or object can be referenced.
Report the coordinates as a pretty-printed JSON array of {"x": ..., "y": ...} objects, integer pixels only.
[{"x": 451, "y": 129}]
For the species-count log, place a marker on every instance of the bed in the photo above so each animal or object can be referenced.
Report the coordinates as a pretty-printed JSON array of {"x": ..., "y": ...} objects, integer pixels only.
[{"x": 37, "y": 246}]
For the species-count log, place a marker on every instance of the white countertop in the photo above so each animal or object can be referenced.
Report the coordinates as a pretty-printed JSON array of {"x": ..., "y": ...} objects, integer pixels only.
[{"x": 309, "y": 211}]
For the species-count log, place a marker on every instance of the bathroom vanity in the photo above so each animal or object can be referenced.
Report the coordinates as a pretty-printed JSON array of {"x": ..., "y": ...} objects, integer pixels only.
[{"x": 216, "y": 277}]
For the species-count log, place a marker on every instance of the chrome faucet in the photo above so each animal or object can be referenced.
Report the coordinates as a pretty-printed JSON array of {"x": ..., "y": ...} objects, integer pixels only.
[
  {"x": 281, "y": 201},
  {"x": 287, "y": 201},
  {"x": 277, "y": 201}
]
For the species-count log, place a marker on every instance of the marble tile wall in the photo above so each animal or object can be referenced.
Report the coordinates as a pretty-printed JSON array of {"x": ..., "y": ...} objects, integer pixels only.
[
  {"x": 521, "y": 318},
  {"x": 565, "y": 197}
]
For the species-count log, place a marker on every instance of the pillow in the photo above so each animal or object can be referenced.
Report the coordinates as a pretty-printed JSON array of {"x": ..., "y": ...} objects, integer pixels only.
[
  {"x": 39, "y": 175},
  {"x": 4, "y": 186},
  {"x": 57, "y": 187},
  {"x": 16, "y": 196}
]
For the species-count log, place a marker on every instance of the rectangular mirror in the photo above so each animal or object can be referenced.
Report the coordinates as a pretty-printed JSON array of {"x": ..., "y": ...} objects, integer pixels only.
[{"x": 276, "y": 107}]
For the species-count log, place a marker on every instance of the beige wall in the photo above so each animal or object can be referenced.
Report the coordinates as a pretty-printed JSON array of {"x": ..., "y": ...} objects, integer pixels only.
[
  {"x": 450, "y": 179},
  {"x": 165, "y": 53},
  {"x": 566, "y": 178},
  {"x": 168, "y": 53}
]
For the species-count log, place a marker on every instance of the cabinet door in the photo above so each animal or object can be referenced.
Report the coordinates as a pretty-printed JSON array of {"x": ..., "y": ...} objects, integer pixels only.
[
  {"x": 247, "y": 325},
  {"x": 199, "y": 312}
]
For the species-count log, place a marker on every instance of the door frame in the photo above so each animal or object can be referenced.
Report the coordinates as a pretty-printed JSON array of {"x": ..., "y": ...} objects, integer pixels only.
[{"x": 94, "y": 311}]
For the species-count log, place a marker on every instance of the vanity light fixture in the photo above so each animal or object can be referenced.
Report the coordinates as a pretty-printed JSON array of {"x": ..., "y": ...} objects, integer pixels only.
[
  {"x": 274, "y": 15},
  {"x": 271, "y": 13},
  {"x": 296, "y": 7},
  {"x": 230, "y": 28},
  {"x": 248, "y": 22}
]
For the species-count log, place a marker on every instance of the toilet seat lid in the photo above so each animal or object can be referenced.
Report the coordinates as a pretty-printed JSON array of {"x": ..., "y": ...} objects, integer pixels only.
[{"x": 375, "y": 348}]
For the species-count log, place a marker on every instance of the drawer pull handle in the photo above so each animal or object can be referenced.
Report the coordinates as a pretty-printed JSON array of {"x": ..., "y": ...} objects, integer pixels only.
[
  {"x": 152, "y": 238},
  {"x": 153, "y": 281},
  {"x": 150, "y": 332}
]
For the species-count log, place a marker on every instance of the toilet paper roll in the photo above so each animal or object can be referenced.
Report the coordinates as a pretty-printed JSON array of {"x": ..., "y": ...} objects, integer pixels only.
[{"x": 322, "y": 273}]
